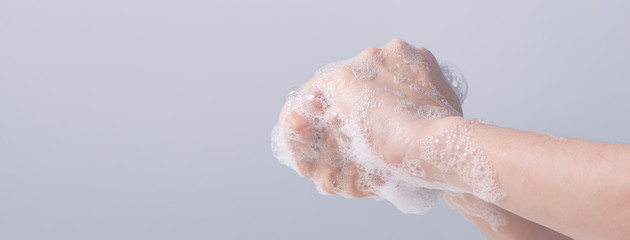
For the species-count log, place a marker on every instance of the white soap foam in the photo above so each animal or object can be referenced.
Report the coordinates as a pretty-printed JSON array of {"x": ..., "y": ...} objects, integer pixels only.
[
  {"x": 356, "y": 160},
  {"x": 456, "y": 151}
]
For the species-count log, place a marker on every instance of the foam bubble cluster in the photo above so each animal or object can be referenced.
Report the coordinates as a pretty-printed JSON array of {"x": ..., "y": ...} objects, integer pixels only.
[
  {"x": 455, "y": 77},
  {"x": 465, "y": 158},
  {"x": 337, "y": 130}
]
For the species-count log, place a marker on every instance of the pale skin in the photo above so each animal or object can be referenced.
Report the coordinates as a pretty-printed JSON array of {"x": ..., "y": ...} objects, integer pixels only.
[
  {"x": 517, "y": 227},
  {"x": 556, "y": 188}
]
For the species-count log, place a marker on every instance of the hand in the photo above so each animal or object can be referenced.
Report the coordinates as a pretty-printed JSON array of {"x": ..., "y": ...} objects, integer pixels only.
[{"x": 351, "y": 126}]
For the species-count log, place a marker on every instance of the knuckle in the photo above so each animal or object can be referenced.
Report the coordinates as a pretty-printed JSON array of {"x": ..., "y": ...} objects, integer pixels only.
[
  {"x": 305, "y": 169},
  {"x": 327, "y": 187},
  {"x": 295, "y": 122},
  {"x": 345, "y": 73},
  {"x": 398, "y": 43},
  {"x": 370, "y": 52},
  {"x": 425, "y": 52}
]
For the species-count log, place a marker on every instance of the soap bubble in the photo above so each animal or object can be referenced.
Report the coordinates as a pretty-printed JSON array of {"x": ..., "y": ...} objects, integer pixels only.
[{"x": 456, "y": 79}]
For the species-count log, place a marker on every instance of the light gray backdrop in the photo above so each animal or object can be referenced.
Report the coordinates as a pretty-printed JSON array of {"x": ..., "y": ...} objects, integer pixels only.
[{"x": 151, "y": 119}]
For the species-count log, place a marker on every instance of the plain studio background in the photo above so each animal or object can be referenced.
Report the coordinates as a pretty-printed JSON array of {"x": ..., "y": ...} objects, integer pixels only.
[{"x": 152, "y": 119}]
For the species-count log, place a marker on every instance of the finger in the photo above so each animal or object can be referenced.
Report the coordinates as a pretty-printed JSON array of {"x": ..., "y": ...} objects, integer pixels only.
[
  {"x": 370, "y": 52},
  {"x": 418, "y": 68},
  {"x": 300, "y": 144},
  {"x": 301, "y": 136},
  {"x": 396, "y": 44},
  {"x": 440, "y": 83},
  {"x": 352, "y": 182},
  {"x": 429, "y": 71},
  {"x": 328, "y": 171},
  {"x": 325, "y": 178}
]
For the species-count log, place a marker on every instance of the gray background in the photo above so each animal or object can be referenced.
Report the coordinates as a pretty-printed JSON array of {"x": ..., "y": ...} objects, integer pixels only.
[{"x": 151, "y": 119}]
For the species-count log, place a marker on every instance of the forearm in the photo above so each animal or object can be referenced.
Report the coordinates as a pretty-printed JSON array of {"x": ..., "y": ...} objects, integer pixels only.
[
  {"x": 496, "y": 222},
  {"x": 579, "y": 188}
]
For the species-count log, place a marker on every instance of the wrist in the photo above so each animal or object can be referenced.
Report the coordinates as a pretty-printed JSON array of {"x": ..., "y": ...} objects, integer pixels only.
[
  {"x": 404, "y": 142},
  {"x": 438, "y": 125},
  {"x": 420, "y": 143},
  {"x": 438, "y": 149},
  {"x": 460, "y": 158}
]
